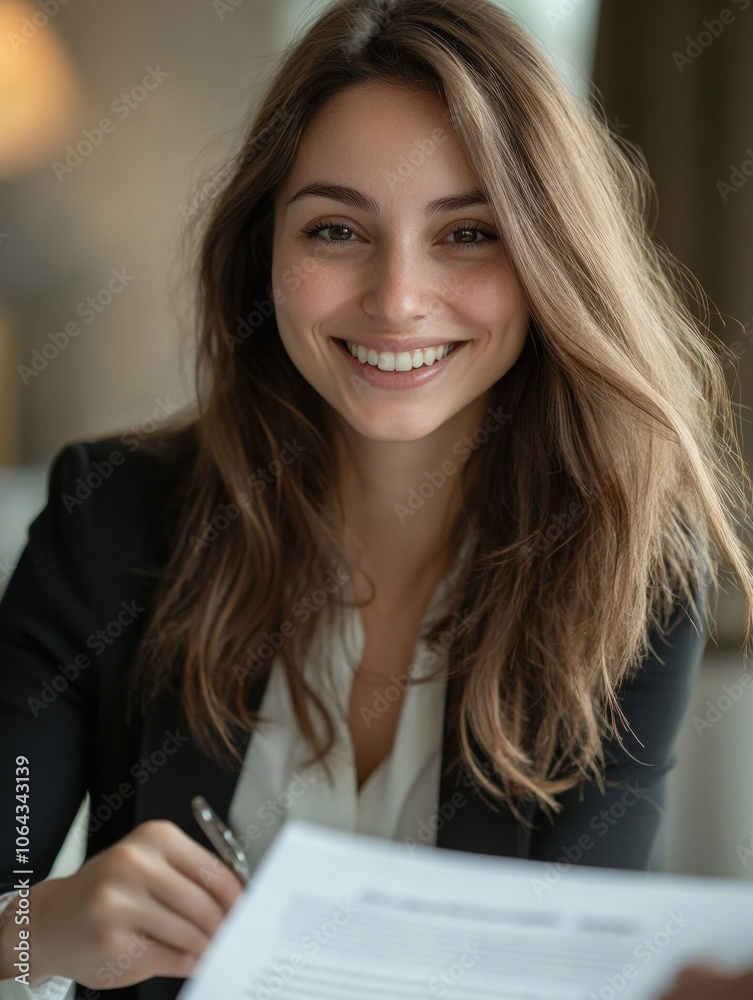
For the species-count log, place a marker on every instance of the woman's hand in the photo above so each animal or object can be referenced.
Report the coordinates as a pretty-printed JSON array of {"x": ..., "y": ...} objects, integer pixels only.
[
  {"x": 147, "y": 906},
  {"x": 702, "y": 982}
]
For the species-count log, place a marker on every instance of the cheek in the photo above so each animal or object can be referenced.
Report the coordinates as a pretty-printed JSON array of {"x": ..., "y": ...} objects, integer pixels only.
[
  {"x": 310, "y": 297},
  {"x": 500, "y": 310},
  {"x": 299, "y": 312},
  {"x": 510, "y": 305},
  {"x": 488, "y": 293},
  {"x": 301, "y": 271},
  {"x": 301, "y": 315}
]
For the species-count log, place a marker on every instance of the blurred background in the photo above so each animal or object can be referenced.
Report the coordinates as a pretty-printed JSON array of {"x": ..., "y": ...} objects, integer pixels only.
[{"x": 95, "y": 309}]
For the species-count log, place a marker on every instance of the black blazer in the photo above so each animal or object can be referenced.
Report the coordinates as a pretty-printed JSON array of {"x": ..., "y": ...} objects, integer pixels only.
[{"x": 70, "y": 618}]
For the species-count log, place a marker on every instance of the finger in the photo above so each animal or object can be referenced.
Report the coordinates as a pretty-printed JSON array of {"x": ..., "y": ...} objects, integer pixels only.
[
  {"x": 691, "y": 983},
  {"x": 187, "y": 856},
  {"x": 183, "y": 896},
  {"x": 679, "y": 992},
  {"x": 699, "y": 972},
  {"x": 208, "y": 871},
  {"x": 167, "y": 927},
  {"x": 155, "y": 959},
  {"x": 166, "y": 961}
]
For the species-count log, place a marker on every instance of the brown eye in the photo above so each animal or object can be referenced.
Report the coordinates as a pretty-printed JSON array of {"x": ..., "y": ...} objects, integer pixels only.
[
  {"x": 341, "y": 229},
  {"x": 473, "y": 230},
  {"x": 313, "y": 232}
]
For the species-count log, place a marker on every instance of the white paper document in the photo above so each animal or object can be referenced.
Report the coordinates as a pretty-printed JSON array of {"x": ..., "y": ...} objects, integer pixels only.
[{"x": 332, "y": 915}]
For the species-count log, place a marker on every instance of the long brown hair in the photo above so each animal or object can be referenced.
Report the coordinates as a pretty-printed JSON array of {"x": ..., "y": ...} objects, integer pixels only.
[{"x": 606, "y": 496}]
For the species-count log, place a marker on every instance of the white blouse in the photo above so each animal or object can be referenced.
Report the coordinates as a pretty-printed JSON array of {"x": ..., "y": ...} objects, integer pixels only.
[{"x": 399, "y": 800}]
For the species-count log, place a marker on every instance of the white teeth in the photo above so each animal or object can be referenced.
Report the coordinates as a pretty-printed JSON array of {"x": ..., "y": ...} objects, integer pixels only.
[{"x": 387, "y": 361}]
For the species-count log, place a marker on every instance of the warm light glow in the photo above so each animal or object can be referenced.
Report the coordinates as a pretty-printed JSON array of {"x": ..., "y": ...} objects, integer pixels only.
[{"x": 39, "y": 88}]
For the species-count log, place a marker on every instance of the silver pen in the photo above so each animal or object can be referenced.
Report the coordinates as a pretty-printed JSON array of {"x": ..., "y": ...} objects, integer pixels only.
[{"x": 221, "y": 838}]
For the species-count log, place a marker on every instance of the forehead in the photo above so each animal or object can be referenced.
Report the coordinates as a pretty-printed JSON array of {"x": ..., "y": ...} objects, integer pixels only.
[{"x": 385, "y": 135}]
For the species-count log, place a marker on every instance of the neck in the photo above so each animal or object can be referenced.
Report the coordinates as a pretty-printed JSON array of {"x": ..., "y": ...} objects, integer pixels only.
[{"x": 401, "y": 502}]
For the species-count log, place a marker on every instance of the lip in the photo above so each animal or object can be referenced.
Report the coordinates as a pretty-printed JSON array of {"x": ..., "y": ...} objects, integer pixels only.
[{"x": 395, "y": 380}]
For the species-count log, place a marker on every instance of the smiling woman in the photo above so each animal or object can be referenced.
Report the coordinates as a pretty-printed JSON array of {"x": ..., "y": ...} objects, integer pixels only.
[{"x": 436, "y": 253}]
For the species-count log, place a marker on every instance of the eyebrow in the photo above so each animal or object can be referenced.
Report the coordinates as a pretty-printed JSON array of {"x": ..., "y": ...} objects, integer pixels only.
[{"x": 362, "y": 202}]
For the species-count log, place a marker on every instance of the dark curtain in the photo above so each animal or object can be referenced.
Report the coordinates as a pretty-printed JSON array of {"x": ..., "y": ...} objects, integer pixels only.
[{"x": 676, "y": 78}]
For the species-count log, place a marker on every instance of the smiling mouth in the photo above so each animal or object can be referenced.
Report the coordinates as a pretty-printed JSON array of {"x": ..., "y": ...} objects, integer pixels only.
[{"x": 398, "y": 361}]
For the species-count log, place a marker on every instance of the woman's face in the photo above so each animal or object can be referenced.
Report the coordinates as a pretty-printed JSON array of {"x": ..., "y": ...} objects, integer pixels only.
[{"x": 391, "y": 271}]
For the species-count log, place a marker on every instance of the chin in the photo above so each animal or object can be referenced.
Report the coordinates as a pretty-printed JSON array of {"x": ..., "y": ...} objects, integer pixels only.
[{"x": 396, "y": 430}]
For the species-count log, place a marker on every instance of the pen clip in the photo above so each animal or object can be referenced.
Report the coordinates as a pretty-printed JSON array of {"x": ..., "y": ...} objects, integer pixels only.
[{"x": 221, "y": 838}]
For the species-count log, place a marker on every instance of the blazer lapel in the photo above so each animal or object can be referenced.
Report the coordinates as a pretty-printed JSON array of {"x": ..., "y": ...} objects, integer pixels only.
[
  {"x": 465, "y": 820},
  {"x": 175, "y": 768}
]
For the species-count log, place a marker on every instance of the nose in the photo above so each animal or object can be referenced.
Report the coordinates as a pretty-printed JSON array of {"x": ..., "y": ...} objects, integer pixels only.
[{"x": 403, "y": 287}]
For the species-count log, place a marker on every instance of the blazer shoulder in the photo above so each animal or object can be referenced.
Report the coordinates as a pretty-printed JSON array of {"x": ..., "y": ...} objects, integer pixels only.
[
  {"x": 123, "y": 496},
  {"x": 118, "y": 473}
]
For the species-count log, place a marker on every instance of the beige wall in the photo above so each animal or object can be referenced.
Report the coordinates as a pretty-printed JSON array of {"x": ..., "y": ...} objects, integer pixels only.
[{"x": 121, "y": 208}]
